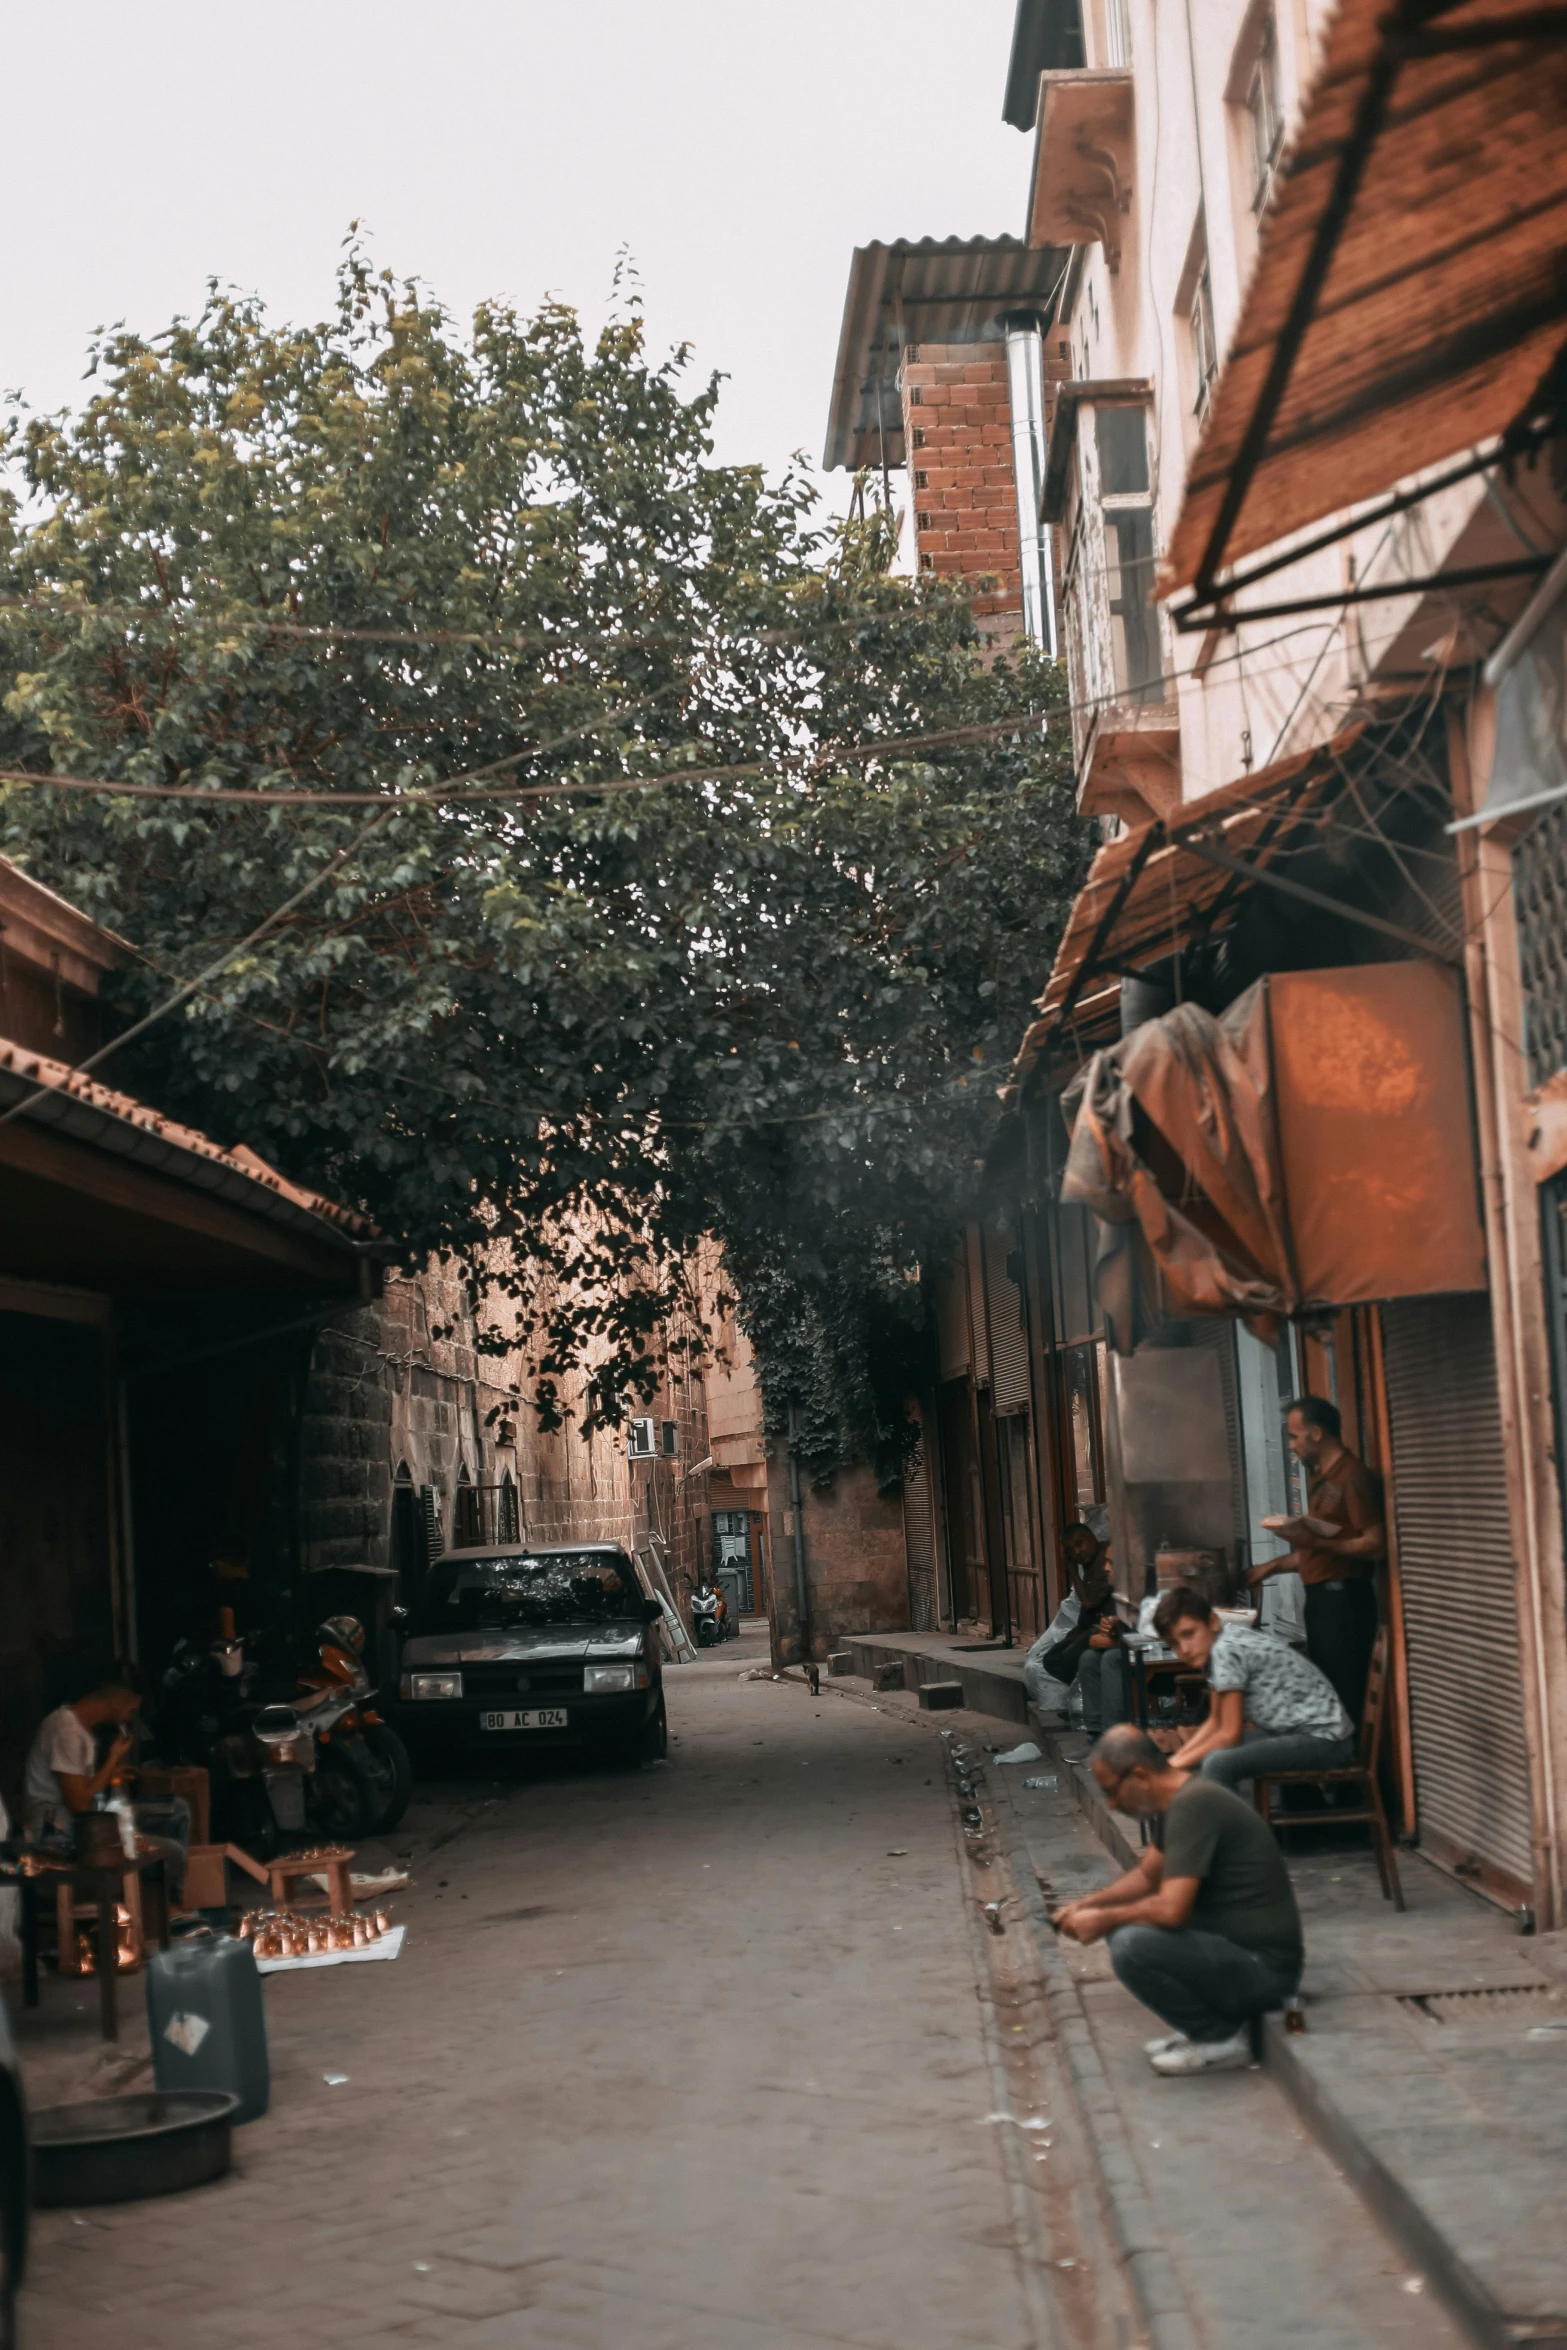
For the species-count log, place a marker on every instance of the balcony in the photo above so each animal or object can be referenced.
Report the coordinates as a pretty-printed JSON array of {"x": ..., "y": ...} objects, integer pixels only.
[
  {"x": 1128, "y": 756},
  {"x": 1082, "y": 187}
]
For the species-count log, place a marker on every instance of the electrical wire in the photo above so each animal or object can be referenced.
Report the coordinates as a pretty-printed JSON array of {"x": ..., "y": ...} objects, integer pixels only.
[
  {"x": 190, "y": 987},
  {"x": 459, "y": 790}
]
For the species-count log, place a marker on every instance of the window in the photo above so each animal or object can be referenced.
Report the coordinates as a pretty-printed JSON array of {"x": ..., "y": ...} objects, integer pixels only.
[
  {"x": 1115, "y": 648},
  {"x": 1205, "y": 341},
  {"x": 1264, "y": 113}
]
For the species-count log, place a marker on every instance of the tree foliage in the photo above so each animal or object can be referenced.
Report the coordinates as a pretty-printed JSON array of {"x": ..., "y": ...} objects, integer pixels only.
[{"x": 385, "y": 556}]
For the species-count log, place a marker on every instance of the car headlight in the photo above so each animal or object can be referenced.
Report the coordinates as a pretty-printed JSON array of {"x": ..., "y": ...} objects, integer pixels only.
[
  {"x": 432, "y": 1684},
  {"x": 599, "y": 1680}
]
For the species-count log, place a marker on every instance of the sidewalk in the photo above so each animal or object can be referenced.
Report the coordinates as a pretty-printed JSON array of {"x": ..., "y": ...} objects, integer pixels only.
[
  {"x": 1433, "y": 2069},
  {"x": 992, "y": 1675},
  {"x": 1432, "y": 2074}
]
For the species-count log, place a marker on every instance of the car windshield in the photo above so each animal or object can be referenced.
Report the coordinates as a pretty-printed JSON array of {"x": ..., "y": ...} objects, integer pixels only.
[{"x": 529, "y": 1587}]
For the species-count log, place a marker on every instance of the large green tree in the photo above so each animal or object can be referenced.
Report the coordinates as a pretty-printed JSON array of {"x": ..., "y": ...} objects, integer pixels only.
[{"x": 766, "y": 994}]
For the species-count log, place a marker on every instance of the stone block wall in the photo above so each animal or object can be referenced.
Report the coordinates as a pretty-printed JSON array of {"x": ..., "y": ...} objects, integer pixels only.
[
  {"x": 399, "y": 1394},
  {"x": 856, "y": 1560}
]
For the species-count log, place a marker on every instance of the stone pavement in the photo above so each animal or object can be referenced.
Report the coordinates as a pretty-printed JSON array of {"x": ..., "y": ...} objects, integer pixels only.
[{"x": 685, "y": 2059}]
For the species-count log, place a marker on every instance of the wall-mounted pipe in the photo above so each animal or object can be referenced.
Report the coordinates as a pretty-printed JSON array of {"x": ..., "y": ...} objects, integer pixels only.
[{"x": 1026, "y": 397}]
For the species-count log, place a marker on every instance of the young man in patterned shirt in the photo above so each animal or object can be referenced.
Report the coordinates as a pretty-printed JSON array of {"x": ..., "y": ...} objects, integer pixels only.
[{"x": 1271, "y": 1709}]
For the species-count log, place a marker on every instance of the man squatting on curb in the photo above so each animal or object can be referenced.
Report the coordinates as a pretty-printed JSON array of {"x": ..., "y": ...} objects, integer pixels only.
[{"x": 1204, "y": 1930}]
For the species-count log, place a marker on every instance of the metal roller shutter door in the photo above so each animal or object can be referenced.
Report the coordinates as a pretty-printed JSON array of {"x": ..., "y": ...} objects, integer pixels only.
[
  {"x": 1009, "y": 1390},
  {"x": 1458, "y": 1578},
  {"x": 952, "y": 1328}
]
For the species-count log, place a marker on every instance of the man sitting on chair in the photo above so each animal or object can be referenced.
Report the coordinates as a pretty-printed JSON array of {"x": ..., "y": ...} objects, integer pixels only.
[
  {"x": 64, "y": 1773},
  {"x": 1271, "y": 1709},
  {"x": 1204, "y": 1930}
]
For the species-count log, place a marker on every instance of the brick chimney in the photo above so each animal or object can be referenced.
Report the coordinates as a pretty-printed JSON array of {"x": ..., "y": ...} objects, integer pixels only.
[{"x": 957, "y": 428}]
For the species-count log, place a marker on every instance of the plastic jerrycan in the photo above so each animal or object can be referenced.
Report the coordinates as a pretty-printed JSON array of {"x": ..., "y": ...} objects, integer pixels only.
[{"x": 207, "y": 2021}]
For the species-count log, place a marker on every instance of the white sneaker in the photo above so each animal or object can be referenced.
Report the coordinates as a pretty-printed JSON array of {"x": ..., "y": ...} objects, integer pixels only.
[
  {"x": 1205, "y": 2056},
  {"x": 1165, "y": 2040}
]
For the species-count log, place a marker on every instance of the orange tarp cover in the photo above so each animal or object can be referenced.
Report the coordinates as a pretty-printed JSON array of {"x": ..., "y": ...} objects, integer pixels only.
[{"x": 1311, "y": 1147}]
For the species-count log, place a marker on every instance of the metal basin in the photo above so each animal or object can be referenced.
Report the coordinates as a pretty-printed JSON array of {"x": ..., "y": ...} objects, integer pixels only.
[{"x": 118, "y": 2149}]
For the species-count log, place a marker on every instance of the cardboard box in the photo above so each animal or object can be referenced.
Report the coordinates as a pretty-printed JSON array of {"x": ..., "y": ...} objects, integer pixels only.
[
  {"x": 206, "y": 1886},
  {"x": 160, "y": 1780}
]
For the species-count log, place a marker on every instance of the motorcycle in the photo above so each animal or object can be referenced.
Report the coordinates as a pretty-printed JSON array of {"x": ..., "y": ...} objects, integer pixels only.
[
  {"x": 361, "y": 1746},
  {"x": 321, "y": 1761},
  {"x": 709, "y": 1616},
  {"x": 257, "y": 1757}
]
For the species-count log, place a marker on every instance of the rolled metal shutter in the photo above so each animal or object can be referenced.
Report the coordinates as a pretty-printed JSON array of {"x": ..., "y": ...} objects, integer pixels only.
[
  {"x": 1009, "y": 1389},
  {"x": 952, "y": 1331},
  {"x": 974, "y": 1258},
  {"x": 1459, "y": 1582}
]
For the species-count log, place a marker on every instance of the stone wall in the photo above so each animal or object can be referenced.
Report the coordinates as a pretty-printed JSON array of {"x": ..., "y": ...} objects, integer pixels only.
[
  {"x": 401, "y": 1410},
  {"x": 856, "y": 1562}
]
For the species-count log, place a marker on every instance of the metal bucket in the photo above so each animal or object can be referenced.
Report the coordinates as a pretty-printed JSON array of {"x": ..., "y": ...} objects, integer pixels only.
[{"x": 119, "y": 2149}]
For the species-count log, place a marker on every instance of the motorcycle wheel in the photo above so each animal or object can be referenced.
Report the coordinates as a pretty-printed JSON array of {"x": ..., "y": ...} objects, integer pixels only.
[
  {"x": 344, "y": 1791},
  {"x": 393, "y": 1773}
]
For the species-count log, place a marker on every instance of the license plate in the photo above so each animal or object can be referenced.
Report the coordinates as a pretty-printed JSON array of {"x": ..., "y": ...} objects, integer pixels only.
[{"x": 544, "y": 1717}]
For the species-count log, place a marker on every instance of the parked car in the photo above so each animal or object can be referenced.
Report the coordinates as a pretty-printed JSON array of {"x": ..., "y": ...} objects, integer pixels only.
[
  {"x": 15, "y": 2182},
  {"x": 516, "y": 1646}
]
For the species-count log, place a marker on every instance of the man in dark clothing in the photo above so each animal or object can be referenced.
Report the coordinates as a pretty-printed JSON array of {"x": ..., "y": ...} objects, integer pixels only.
[
  {"x": 1204, "y": 1930},
  {"x": 1338, "y": 1570},
  {"x": 1089, "y": 1651}
]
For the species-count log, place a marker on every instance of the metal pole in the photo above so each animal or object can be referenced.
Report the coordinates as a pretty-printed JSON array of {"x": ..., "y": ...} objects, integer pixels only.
[
  {"x": 799, "y": 1533},
  {"x": 122, "y": 1446},
  {"x": 1025, "y": 396}
]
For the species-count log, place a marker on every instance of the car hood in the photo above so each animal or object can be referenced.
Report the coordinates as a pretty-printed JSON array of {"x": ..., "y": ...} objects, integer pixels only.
[{"x": 527, "y": 1644}]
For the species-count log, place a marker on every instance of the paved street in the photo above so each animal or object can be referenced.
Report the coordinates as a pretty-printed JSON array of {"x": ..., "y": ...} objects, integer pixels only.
[{"x": 700, "y": 2058}]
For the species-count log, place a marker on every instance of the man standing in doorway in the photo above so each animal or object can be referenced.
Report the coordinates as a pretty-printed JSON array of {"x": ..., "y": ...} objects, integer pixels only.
[{"x": 1338, "y": 1570}]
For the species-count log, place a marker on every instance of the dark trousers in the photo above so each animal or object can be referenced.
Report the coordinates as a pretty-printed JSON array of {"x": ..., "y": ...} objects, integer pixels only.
[
  {"x": 1341, "y": 1628},
  {"x": 1201, "y": 1984}
]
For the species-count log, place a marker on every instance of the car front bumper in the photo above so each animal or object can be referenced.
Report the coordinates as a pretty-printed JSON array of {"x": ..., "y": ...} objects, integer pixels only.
[{"x": 599, "y": 1721}]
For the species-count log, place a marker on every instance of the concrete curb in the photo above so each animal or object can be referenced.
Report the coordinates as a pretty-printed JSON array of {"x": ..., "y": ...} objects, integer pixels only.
[
  {"x": 1150, "y": 2271},
  {"x": 1456, "y": 2285}
]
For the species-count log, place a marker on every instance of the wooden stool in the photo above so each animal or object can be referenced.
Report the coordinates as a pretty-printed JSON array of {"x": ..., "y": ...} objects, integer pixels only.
[
  {"x": 99, "y": 1892},
  {"x": 70, "y": 1909},
  {"x": 283, "y": 1875}
]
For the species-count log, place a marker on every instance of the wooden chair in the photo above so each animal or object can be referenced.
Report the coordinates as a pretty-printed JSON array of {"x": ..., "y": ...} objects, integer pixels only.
[{"x": 1360, "y": 1774}]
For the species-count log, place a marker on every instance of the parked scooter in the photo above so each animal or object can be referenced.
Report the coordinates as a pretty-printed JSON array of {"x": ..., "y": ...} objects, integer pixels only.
[
  {"x": 381, "y": 1763},
  {"x": 321, "y": 1761},
  {"x": 258, "y": 1758},
  {"x": 709, "y": 1616}
]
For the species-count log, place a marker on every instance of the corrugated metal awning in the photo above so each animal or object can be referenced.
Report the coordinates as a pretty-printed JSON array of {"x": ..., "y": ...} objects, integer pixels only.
[
  {"x": 1411, "y": 292},
  {"x": 924, "y": 290},
  {"x": 1154, "y": 890}
]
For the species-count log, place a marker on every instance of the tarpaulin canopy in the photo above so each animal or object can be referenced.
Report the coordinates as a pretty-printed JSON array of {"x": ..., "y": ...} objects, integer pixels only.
[
  {"x": 1309, "y": 1147},
  {"x": 1411, "y": 290}
]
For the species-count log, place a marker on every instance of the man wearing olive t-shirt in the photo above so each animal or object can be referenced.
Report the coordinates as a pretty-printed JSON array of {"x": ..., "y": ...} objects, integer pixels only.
[{"x": 1204, "y": 1930}]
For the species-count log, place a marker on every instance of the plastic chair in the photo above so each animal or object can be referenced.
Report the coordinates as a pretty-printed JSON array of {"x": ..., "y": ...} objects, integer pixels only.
[{"x": 1360, "y": 1774}]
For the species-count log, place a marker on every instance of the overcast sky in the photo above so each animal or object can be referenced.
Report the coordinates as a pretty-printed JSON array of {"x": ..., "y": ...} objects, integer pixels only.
[{"x": 739, "y": 148}]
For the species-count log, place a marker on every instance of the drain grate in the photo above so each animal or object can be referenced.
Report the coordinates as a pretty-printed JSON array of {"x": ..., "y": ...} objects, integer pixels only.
[{"x": 1482, "y": 2003}]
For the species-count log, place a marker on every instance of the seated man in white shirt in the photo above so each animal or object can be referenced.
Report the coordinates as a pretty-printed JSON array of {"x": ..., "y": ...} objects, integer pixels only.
[
  {"x": 64, "y": 1774},
  {"x": 1271, "y": 1709}
]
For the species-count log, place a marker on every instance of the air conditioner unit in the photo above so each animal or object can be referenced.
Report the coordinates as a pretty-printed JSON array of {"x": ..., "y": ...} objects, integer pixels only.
[{"x": 640, "y": 1445}]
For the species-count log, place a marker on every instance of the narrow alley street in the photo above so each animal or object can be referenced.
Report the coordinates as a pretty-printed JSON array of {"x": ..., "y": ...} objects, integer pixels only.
[{"x": 707, "y": 2057}]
